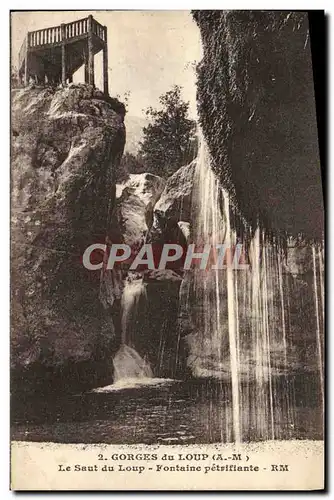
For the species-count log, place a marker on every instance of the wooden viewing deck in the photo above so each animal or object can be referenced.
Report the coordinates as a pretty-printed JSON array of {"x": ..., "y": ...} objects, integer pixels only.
[{"x": 53, "y": 54}]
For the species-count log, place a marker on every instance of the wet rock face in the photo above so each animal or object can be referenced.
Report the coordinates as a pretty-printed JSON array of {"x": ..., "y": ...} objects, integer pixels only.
[
  {"x": 66, "y": 145},
  {"x": 299, "y": 260},
  {"x": 257, "y": 111},
  {"x": 157, "y": 328}
]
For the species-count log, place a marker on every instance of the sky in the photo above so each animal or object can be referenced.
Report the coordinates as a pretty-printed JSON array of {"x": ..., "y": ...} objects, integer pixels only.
[{"x": 148, "y": 51}]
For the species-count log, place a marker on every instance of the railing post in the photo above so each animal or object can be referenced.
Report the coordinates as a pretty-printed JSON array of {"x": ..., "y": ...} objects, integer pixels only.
[
  {"x": 86, "y": 64},
  {"x": 90, "y": 51},
  {"x": 105, "y": 63},
  {"x": 63, "y": 54}
]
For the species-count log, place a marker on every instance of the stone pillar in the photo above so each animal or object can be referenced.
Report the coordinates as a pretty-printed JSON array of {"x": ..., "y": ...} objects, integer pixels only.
[
  {"x": 105, "y": 64},
  {"x": 63, "y": 55},
  {"x": 90, "y": 51}
]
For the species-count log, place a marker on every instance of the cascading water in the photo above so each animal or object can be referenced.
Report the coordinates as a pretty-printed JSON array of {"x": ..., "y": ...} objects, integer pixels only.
[
  {"x": 134, "y": 290},
  {"x": 214, "y": 344},
  {"x": 243, "y": 320},
  {"x": 128, "y": 364},
  {"x": 318, "y": 271}
]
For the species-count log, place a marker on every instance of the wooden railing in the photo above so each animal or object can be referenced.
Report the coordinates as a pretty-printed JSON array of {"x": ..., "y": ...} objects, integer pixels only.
[
  {"x": 54, "y": 35},
  {"x": 44, "y": 37},
  {"x": 77, "y": 28},
  {"x": 99, "y": 30}
]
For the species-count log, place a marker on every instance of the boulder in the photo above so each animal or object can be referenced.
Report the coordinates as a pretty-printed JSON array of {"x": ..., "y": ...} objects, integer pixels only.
[{"x": 174, "y": 206}]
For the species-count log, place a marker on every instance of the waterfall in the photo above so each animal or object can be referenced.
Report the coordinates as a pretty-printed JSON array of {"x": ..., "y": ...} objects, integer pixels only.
[
  {"x": 128, "y": 364},
  {"x": 233, "y": 328},
  {"x": 243, "y": 321},
  {"x": 134, "y": 290},
  {"x": 214, "y": 345},
  {"x": 317, "y": 313}
]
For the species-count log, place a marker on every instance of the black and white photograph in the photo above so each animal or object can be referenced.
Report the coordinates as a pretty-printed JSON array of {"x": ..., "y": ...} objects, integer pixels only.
[{"x": 167, "y": 251}]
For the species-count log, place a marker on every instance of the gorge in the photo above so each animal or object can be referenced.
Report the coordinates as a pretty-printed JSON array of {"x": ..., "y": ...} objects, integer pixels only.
[{"x": 222, "y": 355}]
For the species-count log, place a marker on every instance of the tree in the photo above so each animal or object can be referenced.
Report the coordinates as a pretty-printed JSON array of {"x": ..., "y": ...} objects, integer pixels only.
[
  {"x": 125, "y": 99},
  {"x": 169, "y": 139}
]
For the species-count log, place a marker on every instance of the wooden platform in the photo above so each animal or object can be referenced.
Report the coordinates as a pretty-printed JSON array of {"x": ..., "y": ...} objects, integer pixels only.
[{"x": 53, "y": 54}]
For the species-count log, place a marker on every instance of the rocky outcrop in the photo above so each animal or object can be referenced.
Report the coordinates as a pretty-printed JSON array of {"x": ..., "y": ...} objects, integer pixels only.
[
  {"x": 172, "y": 212},
  {"x": 66, "y": 145},
  {"x": 257, "y": 112},
  {"x": 134, "y": 207}
]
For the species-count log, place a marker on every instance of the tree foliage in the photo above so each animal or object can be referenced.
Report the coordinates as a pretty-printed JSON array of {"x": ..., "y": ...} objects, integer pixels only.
[{"x": 169, "y": 139}]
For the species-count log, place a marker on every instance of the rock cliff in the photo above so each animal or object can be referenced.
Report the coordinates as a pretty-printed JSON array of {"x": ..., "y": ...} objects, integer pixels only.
[
  {"x": 66, "y": 144},
  {"x": 257, "y": 111}
]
